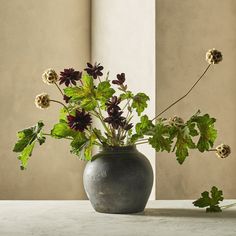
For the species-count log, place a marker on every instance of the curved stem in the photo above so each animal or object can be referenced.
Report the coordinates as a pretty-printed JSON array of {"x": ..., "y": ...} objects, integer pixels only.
[
  {"x": 59, "y": 89},
  {"x": 51, "y": 100},
  {"x": 183, "y": 95}
]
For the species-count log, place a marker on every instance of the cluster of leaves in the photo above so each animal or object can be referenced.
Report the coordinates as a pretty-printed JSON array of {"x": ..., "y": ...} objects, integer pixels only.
[
  {"x": 26, "y": 142},
  {"x": 87, "y": 95},
  {"x": 166, "y": 136},
  {"x": 210, "y": 201}
]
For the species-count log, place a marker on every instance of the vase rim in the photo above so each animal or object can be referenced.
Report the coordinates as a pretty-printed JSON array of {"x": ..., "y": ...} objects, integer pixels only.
[{"x": 118, "y": 148}]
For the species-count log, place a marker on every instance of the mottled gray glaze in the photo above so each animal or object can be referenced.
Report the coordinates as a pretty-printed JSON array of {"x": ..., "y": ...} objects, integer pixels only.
[{"x": 118, "y": 180}]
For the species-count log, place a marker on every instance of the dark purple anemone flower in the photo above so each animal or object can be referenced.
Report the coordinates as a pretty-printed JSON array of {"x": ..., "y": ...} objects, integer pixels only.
[
  {"x": 112, "y": 105},
  {"x": 80, "y": 121},
  {"x": 115, "y": 119},
  {"x": 120, "y": 79},
  {"x": 95, "y": 71},
  {"x": 69, "y": 76},
  {"x": 127, "y": 126}
]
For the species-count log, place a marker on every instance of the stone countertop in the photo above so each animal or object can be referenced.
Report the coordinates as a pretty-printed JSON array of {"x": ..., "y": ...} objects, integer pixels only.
[{"x": 66, "y": 218}]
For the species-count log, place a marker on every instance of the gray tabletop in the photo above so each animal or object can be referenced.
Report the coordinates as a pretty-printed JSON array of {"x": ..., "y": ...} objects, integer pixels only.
[{"x": 67, "y": 218}]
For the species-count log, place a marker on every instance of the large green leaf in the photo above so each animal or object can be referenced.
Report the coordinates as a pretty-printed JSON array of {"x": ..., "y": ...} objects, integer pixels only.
[
  {"x": 82, "y": 146},
  {"x": 140, "y": 102},
  {"x": 88, "y": 104},
  {"x": 26, "y": 142},
  {"x": 208, "y": 133},
  {"x": 211, "y": 202},
  {"x": 104, "y": 91},
  {"x": 183, "y": 143},
  {"x": 161, "y": 140},
  {"x": 79, "y": 93},
  {"x": 62, "y": 130},
  {"x": 144, "y": 127}
]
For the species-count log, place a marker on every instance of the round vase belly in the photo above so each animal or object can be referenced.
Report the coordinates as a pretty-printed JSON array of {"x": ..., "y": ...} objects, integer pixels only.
[{"x": 118, "y": 180}]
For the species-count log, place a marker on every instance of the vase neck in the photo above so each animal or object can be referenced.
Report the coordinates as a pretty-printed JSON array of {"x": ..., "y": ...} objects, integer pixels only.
[{"x": 118, "y": 148}]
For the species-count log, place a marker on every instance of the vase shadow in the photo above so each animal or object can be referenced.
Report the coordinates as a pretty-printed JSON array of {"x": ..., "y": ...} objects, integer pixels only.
[{"x": 191, "y": 213}]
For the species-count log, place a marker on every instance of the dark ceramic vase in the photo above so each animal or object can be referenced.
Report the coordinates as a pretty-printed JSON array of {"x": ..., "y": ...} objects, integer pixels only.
[{"x": 118, "y": 180}]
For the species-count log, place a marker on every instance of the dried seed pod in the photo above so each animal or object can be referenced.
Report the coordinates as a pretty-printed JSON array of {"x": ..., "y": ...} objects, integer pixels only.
[
  {"x": 50, "y": 76},
  {"x": 42, "y": 101},
  {"x": 214, "y": 56},
  {"x": 176, "y": 121},
  {"x": 223, "y": 150}
]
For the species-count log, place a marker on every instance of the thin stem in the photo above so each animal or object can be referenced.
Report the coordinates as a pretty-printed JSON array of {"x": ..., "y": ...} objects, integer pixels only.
[
  {"x": 228, "y": 206},
  {"x": 183, "y": 95},
  {"x": 59, "y": 89},
  {"x": 212, "y": 150},
  {"x": 141, "y": 143},
  {"x": 126, "y": 104},
  {"x": 60, "y": 103},
  {"x": 99, "y": 116},
  {"x": 143, "y": 139}
]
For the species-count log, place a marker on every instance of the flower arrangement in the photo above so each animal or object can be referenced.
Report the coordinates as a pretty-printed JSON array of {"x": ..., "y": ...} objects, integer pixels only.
[{"x": 88, "y": 95}]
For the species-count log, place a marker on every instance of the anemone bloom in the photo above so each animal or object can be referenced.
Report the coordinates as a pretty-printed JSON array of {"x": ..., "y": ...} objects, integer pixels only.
[
  {"x": 69, "y": 76},
  {"x": 120, "y": 79},
  {"x": 95, "y": 71},
  {"x": 80, "y": 121}
]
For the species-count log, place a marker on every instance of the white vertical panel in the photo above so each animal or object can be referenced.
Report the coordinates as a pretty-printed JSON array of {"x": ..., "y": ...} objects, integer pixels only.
[{"x": 123, "y": 40}]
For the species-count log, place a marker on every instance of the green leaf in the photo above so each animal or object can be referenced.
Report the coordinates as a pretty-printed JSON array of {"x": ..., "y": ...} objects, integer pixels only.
[
  {"x": 62, "y": 130},
  {"x": 183, "y": 143},
  {"x": 140, "y": 102},
  {"x": 28, "y": 136},
  {"x": 88, "y": 104},
  {"x": 144, "y": 127},
  {"x": 76, "y": 93},
  {"x": 104, "y": 91},
  {"x": 211, "y": 202},
  {"x": 63, "y": 115},
  {"x": 26, "y": 142},
  {"x": 88, "y": 84},
  {"x": 25, "y": 155},
  {"x": 126, "y": 95},
  {"x": 208, "y": 133},
  {"x": 82, "y": 146},
  {"x": 161, "y": 140}
]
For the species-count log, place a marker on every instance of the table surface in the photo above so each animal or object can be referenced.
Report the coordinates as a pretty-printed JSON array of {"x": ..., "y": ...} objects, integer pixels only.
[{"x": 160, "y": 218}]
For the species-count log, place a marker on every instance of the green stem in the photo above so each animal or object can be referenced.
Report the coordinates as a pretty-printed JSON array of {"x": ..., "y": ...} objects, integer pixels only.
[
  {"x": 99, "y": 116},
  {"x": 126, "y": 104},
  {"x": 59, "y": 89},
  {"x": 51, "y": 100},
  {"x": 183, "y": 95}
]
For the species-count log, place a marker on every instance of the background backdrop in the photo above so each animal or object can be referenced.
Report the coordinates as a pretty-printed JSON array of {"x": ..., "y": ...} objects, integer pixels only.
[
  {"x": 36, "y": 35},
  {"x": 160, "y": 45}
]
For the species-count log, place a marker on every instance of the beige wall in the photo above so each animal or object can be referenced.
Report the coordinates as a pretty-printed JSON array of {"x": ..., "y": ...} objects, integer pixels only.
[
  {"x": 123, "y": 40},
  {"x": 36, "y": 35},
  {"x": 185, "y": 30}
]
